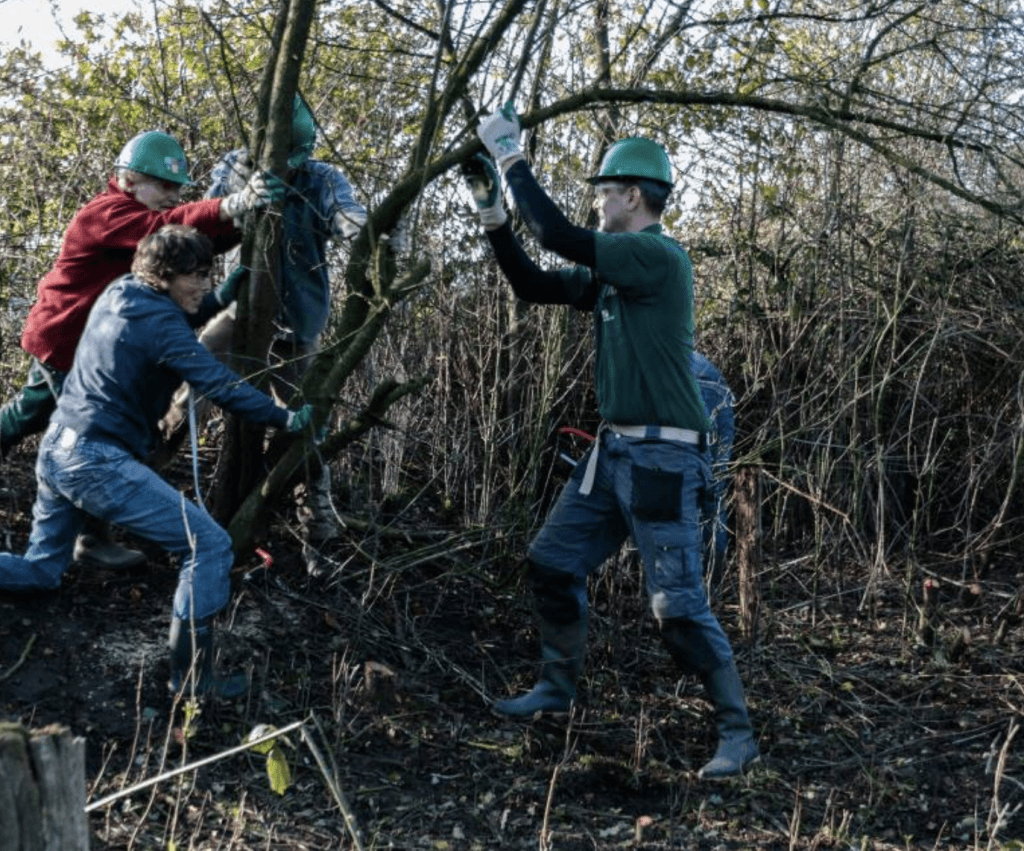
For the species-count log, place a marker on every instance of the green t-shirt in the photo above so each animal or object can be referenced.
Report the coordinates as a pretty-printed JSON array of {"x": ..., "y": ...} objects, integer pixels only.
[{"x": 643, "y": 323}]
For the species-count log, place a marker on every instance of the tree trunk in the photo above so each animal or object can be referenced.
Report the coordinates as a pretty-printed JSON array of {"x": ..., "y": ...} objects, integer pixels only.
[
  {"x": 257, "y": 300},
  {"x": 42, "y": 790},
  {"x": 747, "y": 496}
]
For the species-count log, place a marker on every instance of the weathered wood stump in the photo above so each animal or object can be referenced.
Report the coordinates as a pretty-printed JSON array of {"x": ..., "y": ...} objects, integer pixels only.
[{"x": 42, "y": 790}]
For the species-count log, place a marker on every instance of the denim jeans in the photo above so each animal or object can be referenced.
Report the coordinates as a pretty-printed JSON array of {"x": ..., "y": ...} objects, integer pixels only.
[
  {"x": 79, "y": 475},
  {"x": 650, "y": 490}
]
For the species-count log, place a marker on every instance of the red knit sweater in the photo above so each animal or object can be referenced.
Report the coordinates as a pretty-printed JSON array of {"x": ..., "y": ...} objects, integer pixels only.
[{"x": 97, "y": 248}]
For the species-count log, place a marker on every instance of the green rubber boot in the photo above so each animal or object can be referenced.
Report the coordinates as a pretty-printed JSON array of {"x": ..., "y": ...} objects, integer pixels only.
[
  {"x": 192, "y": 666},
  {"x": 563, "y": 648},
  {"x": 737, "y": 750}
]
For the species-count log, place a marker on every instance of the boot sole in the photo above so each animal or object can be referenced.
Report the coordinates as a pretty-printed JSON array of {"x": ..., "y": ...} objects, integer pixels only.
[
  {"x": 88, "y": 561},
  {"x": 533, "y": 716},
  {"x": 721, "y": 778},
  {"x": 536, "y": 716},
  {"x": 134, "y": 568}
]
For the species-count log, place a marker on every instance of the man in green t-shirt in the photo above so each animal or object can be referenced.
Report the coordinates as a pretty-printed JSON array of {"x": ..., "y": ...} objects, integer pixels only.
[{"x": 646, "y": 472}]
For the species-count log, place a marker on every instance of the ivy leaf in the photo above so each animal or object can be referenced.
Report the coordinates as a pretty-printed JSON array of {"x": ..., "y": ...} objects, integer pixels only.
[
  {"x": 258, "y": 732},
  {"x": 278, "y": 770}
]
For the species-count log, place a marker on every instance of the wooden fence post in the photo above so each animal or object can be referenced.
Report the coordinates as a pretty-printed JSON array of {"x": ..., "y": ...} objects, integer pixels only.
[
  {"x": 42, "y": 790},
  {"x": 747, "y": 513}
]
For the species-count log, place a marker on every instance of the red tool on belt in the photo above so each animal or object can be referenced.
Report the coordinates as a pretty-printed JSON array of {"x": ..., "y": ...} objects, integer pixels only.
[{"x": 573, "y": 432}]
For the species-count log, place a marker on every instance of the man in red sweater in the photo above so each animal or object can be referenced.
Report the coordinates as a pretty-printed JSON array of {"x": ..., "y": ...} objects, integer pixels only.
[{"x": 142, "y": 196}]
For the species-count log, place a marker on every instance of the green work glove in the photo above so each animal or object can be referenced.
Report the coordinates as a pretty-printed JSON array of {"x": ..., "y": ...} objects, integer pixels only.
[
  {"x": 485, "y": 186},
  {"x": 500, "y": 133},
  {"x": 298, "y": 420},
  {"x": 298, "y": 156},
  {"x": 227, "y": 292}
]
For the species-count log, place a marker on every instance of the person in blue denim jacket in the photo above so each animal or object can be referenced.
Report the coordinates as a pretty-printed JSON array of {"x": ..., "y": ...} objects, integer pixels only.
[
  {"x": 138, "y": 345},
  {"x": 319, "y": 207},
  {"x": 719, "y": 403},
  {"x": 644, "y": 474}
]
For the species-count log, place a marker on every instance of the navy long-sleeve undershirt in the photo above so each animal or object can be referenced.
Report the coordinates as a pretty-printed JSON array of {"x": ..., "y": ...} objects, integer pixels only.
[{"x": 555, "y": 233}]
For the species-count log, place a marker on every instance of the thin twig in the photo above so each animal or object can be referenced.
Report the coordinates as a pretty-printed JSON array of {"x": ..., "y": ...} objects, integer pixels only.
[
  {"x": 545, "y": 831},
  {"x": 335, "y": 787},
  {"x": 999, "y": 815},
  {"x": 24, "y": 656},
  {"x": 174, "y": 772}
]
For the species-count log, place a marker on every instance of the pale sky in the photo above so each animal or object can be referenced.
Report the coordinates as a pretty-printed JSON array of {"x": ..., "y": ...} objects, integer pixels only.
[{"x": 33, "y": 20}]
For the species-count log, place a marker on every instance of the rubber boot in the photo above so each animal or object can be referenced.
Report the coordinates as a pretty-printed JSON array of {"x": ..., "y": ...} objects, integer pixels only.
[
  {"x": 319, "y": 526},
  {"x": 737, "y": 749},
  {"x": 563, "y": 647},
  {"x": 94, "y": 547},
  {"x": 198, "y": 678}
]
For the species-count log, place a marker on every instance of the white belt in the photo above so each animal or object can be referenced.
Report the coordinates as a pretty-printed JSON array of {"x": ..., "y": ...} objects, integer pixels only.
[{"x": 680, "y": 435}]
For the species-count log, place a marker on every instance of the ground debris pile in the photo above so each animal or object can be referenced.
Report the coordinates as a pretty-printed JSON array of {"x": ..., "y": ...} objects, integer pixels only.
[{"x": 883, "y": 726}]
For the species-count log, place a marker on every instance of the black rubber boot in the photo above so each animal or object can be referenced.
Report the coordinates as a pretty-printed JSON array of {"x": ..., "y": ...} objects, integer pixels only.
[
  {"x": 96, "y": 547},
  {"x": 192, "y": 666},
  {"x": 563, "y": 648},
  {"x": 737, "y": 749}
]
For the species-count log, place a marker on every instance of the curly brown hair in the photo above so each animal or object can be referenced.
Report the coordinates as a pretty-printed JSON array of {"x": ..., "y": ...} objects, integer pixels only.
[{"x": 173, "y": 250}]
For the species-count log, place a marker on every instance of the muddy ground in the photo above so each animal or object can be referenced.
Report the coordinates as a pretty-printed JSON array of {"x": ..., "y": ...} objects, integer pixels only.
[{"x": 878, "y": 731}]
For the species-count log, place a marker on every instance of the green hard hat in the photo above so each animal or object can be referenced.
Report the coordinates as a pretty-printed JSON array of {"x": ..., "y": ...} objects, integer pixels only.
[
  {"x": 635, "y": 157},
  {"x": 303, "y": 132},
  {"x": 155, "y": 154}
]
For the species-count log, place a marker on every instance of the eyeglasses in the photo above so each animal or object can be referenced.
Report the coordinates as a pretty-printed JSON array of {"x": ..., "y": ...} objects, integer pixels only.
[{"x": 605, "y": 188}]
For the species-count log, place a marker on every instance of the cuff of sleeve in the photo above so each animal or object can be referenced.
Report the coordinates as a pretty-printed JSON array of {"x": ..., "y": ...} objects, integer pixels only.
[
  {"x": 506, "y": 161},
  {"x": 493, "y": 217}
]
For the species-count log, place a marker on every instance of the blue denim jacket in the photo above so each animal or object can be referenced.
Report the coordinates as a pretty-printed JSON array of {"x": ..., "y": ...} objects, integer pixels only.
[
  {"x": 316, "y": 192},
  {"x": 137, "y": 348},
  {"x": 719, "y": 402}
]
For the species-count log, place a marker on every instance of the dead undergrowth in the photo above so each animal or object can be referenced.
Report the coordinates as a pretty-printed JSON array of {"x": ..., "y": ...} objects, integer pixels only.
[{"x": 882, "y": 728}]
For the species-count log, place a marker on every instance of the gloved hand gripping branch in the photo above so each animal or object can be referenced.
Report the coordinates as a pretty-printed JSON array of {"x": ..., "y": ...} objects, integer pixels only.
[
  {"x": 485, "y": 185},
  {"x": 227, "y": 292},
  {"x": 262, "y": 190},
  {"x": 298, "y": 420},
  {"x": 500, "y": 133},
  {"x": 347, "y": 223}
]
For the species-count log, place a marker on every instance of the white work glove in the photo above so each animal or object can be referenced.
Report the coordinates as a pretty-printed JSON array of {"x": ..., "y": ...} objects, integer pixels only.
[
  {"x": 347, "y": 223},
  {"x": 262, "y": 190},
  {"x": 500, "y": 133},
  {"x": 485, "y": 186},
  {"x": 238, "y": 176}
]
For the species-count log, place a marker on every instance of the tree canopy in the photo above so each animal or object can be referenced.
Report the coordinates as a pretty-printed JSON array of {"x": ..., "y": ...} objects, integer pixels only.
[{"x": 823, "y": 152}]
